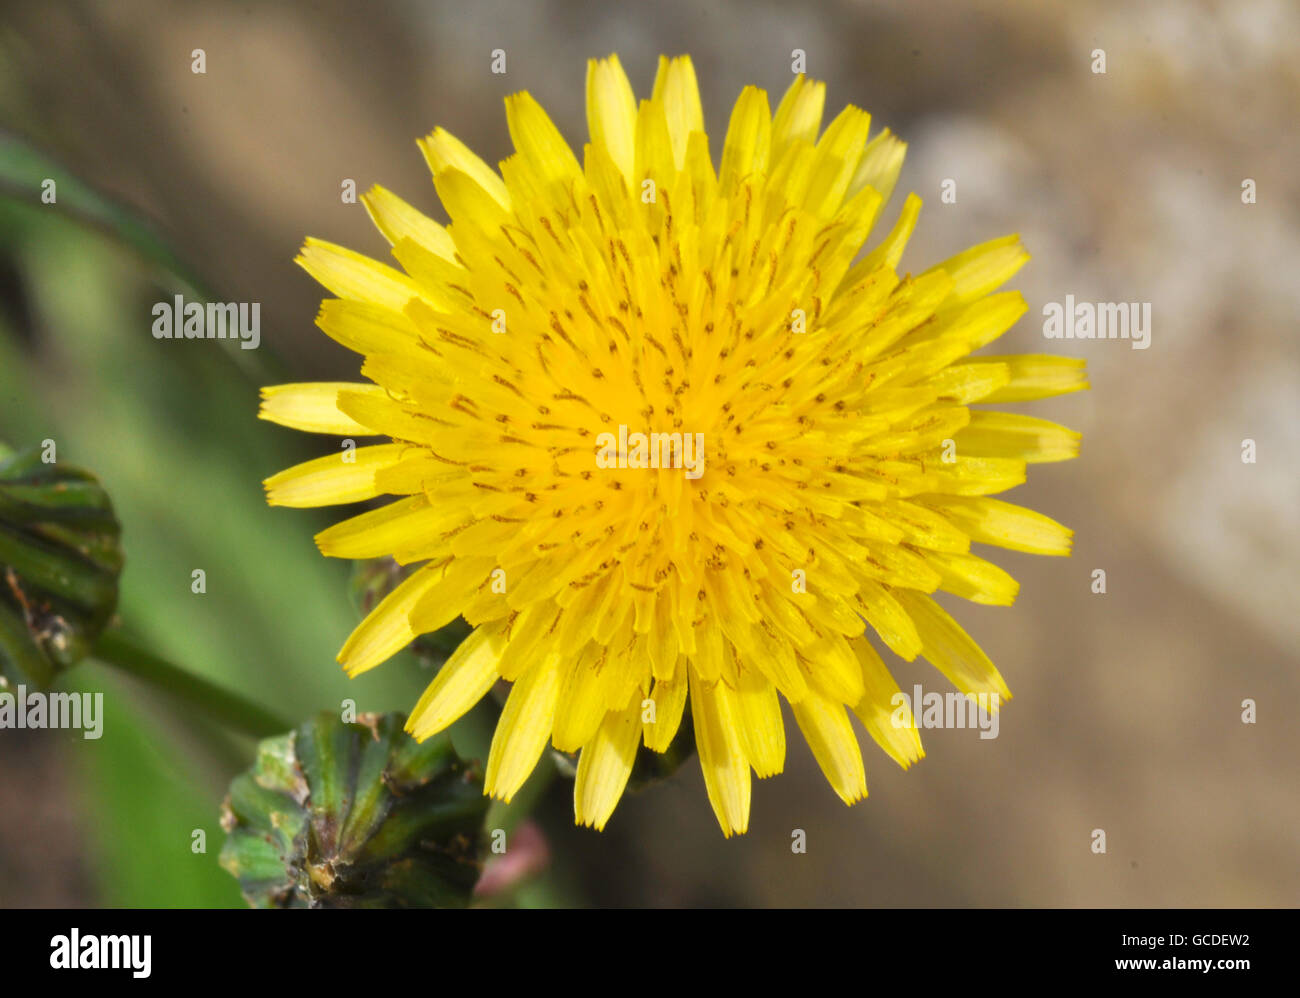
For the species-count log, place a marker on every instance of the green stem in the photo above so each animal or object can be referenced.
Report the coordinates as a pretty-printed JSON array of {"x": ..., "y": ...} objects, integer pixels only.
[{"x": 113, "y": 648}]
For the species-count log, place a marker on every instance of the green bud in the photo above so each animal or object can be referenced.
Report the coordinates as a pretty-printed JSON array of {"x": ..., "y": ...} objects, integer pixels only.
[
  {"x": 60, "y": 558},
  {"x": 355, "y": 815}
]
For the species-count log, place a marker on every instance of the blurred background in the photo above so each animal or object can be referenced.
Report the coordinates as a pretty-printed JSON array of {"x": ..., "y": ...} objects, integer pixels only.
[{"x": 1125, "y": 187}]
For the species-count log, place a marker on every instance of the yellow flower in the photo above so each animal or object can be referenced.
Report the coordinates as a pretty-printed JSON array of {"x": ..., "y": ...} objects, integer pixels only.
[{"x": 524, "y": 354}]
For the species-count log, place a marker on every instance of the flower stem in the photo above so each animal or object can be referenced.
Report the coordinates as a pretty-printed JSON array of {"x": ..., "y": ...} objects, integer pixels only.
[{"x": 114, "y": 648}]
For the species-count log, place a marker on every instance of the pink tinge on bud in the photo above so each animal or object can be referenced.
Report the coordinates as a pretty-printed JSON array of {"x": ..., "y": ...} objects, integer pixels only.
[{"x": 526, "y": 853}]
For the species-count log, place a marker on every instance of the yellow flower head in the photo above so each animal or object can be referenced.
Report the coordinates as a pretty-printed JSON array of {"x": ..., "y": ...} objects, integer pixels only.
[{"x": 659, "y": 438}]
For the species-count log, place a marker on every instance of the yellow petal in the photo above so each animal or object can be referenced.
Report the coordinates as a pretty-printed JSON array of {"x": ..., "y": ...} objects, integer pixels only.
[
  {"x": 397, "y": 220},
  {"x": 950, "y": 649},
  {"x": 834, "y": 668},
  {"x": 611, "y": 112},
  {"x": 356, "y": 277},
  {"x": 1017, "y": 437},
  {"x": 773, "y": 654},
  {"x": 472, "y": 209},
  {"x": 722, "y": 756},
  {"x": 445, "y": 600},
  {"x": 348, "y": 476},
  {"x": 538, "y": 141},
  {"x": 883, "y": 711},
  {"x": 440, "y": 281},
  {"x": 923, "y": 527},
  {"x": 973, "y": 578},
  {"x": 386, "y": 629},
  {"x": 963, "y": 383},
  {"x": 417, "y": 471},
  {"x": 762, "y": 729},
  {"x": 703, "y": 182},
  {"x": 522, "y": 729},
  {"x": 825, "y": 726},
  {"x": 709, "y": 651},
  {"x": 880, "y": 165},
  {"x": 654, "y": 146},
  {"x": 890, "y": 250},
  {"x": 604, "y": 766},
  {"x": 748, "y": 142},
  {"x": 838, "y": 152},
  {"x": 380, "y": 413},
  {"x": 461, "y": 682},
  {"x": 992, "y": 521},
  {"x": 984, "y": 268},
  {"x": 982, "y": 321},
  {"x": 888, "y": 618},
  {"x": 798, "y": 116},
  {"x": 529, "y": 638},
  {"x": 443, "y": 152},
  {"x": 662, "y": 640},
  {"x": 313, "y": 407},
  {"x": 582, "y": 703},
  {"x": 1035, "y": 376},
  {"x": 364, "y": 327},
  {"x": 669, "y": 697},
  {"x": 977, "y": 476},
  {"x": 379, "y": 532},
  {"x": 676, "y": 89}
]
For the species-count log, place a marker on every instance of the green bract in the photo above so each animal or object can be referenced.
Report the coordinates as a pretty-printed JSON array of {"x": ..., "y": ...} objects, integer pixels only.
[{"x": 355, "y": 815}]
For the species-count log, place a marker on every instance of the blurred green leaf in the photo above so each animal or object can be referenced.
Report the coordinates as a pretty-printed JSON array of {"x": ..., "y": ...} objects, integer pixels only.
[
  {"x": 171, "y": 429},
  {"x": 145, "y": 798},
  {"x": 23, "y": 172}
]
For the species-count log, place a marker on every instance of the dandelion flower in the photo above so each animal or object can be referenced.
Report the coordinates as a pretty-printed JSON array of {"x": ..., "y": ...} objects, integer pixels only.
[{"x": 639, "y": 294}]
